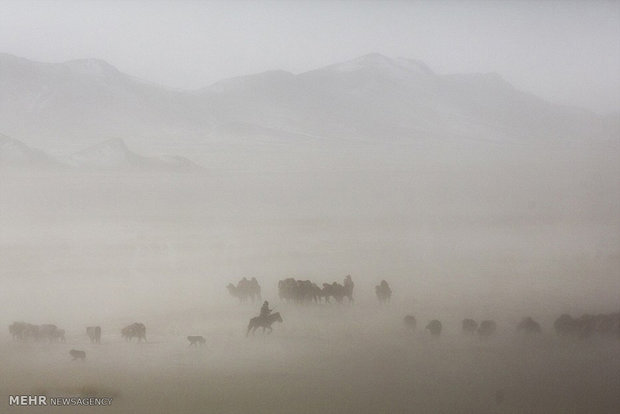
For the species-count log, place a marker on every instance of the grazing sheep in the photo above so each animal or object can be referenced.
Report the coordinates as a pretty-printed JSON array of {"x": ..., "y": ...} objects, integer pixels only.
[
  {"x": 587, "y": 325},
  {"x": 81, "y": 355},
  {"x": 469, "y": 326},
  {"x": 196, "y": 340}
]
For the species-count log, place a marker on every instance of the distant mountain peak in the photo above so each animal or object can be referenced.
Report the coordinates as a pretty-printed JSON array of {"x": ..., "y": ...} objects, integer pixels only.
[
  {"x": 91, "y": 67},
  {"x": 376, "y": 62}
]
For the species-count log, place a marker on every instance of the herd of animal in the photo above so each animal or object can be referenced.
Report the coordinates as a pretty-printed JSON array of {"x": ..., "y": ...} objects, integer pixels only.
[
  {"x": 485, "y": 329},
  {"x": 291, "y": 290},
  {"x": 25, "y": 331},
  {"x": 584, "y": 327},
  {"x": 304, "y": 291}
]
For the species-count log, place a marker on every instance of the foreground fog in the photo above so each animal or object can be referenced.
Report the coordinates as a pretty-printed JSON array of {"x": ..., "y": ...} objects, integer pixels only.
[{"x": 482, "y": 231}]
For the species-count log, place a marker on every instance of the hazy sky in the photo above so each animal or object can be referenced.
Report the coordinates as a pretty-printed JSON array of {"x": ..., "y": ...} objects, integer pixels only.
[{"x": 565, "y": 51}]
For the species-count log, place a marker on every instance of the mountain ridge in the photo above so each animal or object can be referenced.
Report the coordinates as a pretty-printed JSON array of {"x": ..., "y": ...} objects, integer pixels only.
[{"x": 81, "y": 102}]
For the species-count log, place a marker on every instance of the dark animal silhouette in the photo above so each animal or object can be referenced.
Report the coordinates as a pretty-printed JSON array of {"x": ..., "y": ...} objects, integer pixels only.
[
  {"x": 264, "y": 323},
  {"x": 31, "y": 332},
  {"x": 18, "y": 329},
  {"x": 306, "y": 291},
  {"x": 566, "y": 325},
  {"x": 245, "y": 289},
  {"x": 196, "y": 340},
  {"x": 383, "y": 292},
  {"x": 588, "y": 325},
  {"x": 284, "y": 290},
  {"x": 27, "y": 331},
  {"x": 469, "y": 326},
  {"x": 410, "y": 322},
  {"x": 75, "y": 354},
  {"x": 58, "y": 335},
  {"x": 348, "y": 288},
  {"x": 529, "y": 326},
  {"x": 334, "y": 290},
  {"x": 94, "y": 334},
  {"x": 51, "y": 333},
  {"x": 135, "y": 330},
  {"x": 487, "y": 328},
  {"x": 434, "y": 327},
  {"x": 255, "y": 290}
]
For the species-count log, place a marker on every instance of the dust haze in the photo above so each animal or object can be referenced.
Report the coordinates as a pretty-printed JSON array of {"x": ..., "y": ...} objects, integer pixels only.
[
  {"x": 124, "y": 202},
  {"x": 500, "y": 235}
]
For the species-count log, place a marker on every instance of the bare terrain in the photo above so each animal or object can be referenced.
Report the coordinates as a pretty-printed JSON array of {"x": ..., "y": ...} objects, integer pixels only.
[{"x": 487, "y": 234}]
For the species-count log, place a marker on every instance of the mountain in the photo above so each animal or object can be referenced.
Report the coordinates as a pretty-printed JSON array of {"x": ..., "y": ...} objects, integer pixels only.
[
  {"x": 16, "y": 154},
  {"x": 375, "y": 97},
  {"x": 70, "y": 105},
  {"x": 82, "y": 102}
]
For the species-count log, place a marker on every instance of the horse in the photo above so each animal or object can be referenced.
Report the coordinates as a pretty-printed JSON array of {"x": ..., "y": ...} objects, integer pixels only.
[
  {"x": 47, "y": 331},
  {"x": 94, "y": 333},
  {"x": 264, "y": 323},
  {"x": 17, "y": 329}
]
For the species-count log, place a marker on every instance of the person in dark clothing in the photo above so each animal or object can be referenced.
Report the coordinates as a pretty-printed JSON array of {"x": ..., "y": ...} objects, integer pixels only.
[{"x": 264, "y": 310}]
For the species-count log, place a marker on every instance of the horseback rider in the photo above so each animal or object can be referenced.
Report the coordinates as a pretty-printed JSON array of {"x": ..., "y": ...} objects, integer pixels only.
[{"x": 265, "y": 311}]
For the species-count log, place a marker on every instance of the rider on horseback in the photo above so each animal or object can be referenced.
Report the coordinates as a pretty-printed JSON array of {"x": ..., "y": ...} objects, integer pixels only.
[{"x": 265, "y": 311}]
